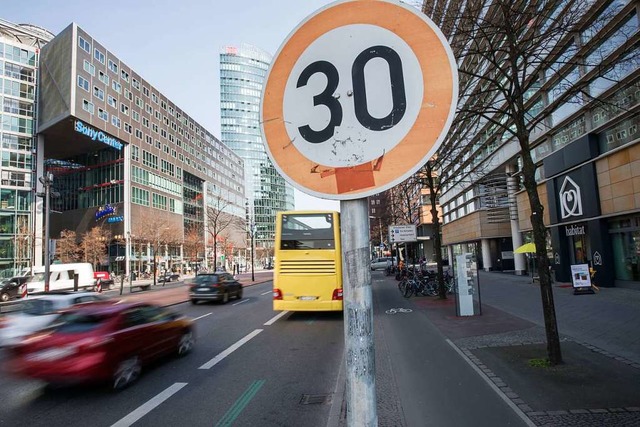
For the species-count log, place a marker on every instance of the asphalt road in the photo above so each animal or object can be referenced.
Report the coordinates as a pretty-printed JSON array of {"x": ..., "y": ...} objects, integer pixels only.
[{"x": 248, "y": 369}]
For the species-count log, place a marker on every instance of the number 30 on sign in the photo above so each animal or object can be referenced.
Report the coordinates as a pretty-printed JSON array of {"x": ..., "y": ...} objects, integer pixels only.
[{"x": 358, "y": 97}]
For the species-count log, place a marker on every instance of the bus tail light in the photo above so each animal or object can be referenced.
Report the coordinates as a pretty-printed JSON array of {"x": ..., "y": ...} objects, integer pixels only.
[
  {"x": 337, "y": 294},
  {"x": 277, "y": 294}
]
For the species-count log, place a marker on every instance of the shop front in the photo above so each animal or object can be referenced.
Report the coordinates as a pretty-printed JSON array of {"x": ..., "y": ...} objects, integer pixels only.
[{"x": 579, "y": 234}]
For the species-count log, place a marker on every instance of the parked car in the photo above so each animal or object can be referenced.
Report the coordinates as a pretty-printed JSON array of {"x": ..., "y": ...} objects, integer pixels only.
[
  {"x": 379, "y": 263},
  {"x": 102, "y": 342},
  {"x": 169, "y": 276},
  {"x": 10, "y": 288},
  {"x": 106, "y": 282},
  {"x": 218, "y": 286},
  {"x": 37, "y": 312}
]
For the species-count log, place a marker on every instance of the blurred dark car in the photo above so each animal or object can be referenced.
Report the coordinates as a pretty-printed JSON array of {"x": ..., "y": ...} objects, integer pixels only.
[
  {"x": 10, "y": 288},
  {"x": 102, "y": 342},
  {"x": 169, "y": 277},
  {"x": 219, "y": 286}
]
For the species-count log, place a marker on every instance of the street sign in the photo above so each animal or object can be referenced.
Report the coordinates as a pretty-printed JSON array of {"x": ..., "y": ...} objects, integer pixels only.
[
  {"x": 402, "y": 233},
  {"x": 358, "y": 98}
]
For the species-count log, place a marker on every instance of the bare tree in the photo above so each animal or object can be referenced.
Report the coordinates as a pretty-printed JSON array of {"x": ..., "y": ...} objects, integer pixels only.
[
  {"x": 504, "y": 47},
  {"x": 158, "y": 231},
  {"x": 67, "y": 247},
  {"x": 95, "y": 243},
  {"x": 220, "y": 223},
  {"x": 194, "y": 242}
]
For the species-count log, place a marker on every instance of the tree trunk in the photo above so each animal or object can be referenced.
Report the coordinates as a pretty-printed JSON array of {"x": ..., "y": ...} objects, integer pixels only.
[{"x": 539, "y": 238}]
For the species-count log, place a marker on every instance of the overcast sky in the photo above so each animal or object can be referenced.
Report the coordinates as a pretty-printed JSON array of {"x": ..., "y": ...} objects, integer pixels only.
[{"x": 175, "y": 45}]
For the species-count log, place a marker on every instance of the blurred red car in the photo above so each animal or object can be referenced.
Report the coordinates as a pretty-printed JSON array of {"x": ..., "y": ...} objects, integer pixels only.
[{"x": 102, "y": 342}]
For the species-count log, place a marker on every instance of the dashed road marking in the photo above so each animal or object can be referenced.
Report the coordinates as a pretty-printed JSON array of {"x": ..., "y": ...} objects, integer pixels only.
[
  {"x": 150, "y": 405},
  {"x": 275, "y": 318},
  {"x": 204, "y": 315},
  {"x": 230, "y": 350}
]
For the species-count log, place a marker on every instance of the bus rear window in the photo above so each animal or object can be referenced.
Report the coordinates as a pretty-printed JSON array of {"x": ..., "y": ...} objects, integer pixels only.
[{"x": 307, "y": 231}]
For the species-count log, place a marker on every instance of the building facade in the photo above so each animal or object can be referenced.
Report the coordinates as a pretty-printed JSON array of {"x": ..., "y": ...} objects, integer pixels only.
[
  {"x": 126, "y": 158},
  {"x": 243, "y": 70},
  {"x": 19, "y": 53},
  {"x": 586, "y": 152}
]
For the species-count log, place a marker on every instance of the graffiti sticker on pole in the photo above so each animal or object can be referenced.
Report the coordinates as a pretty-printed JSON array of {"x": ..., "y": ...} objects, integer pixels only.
[{"x": 358, "y": 98}]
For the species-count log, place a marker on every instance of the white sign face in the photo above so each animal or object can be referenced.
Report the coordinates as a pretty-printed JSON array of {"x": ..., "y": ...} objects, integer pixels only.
[
  {"x": 402, "y": 233},
  {"x": 340, "y": 118}
]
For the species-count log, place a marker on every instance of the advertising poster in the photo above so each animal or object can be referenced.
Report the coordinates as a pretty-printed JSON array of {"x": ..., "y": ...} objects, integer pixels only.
[{"x": 580, "y": 276}]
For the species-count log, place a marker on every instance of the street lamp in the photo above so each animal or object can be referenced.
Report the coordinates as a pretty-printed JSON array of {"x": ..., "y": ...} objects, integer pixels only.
[
  {"x": 252, "y": 233},
  {"x": 47, "y": 182}
]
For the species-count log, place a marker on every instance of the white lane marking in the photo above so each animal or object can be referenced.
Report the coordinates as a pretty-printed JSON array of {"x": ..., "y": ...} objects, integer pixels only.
[
  {"x": 494, "y": 387},
  {"x": 276, "y": 317},
  {"x": 241, "y": 302},
  {"x": 211, "y": 363},
  {"x": 204, "y": 315},
  {"x": 265, "y": 293},
  {"x": 147, "y": 407}
]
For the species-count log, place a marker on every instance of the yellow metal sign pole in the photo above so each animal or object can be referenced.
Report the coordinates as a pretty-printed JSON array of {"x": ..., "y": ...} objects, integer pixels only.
[{"x": 358, "y": 314}]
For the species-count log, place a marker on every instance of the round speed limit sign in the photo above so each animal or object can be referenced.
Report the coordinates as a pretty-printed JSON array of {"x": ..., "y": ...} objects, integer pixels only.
[{"x": 358, "y": 98}]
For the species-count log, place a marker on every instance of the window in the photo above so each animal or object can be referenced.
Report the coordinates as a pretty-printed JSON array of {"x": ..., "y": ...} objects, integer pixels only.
[
  {"x": 139, "y": 134},
  {"x": 145, "y": 90},
  {"x": 99, "y": 56},
  {"x": 124, "y": 109},
  {"x": 139, "y": 196},
  {"x": 88, "y": 106},
  {"x": 159, "y": 201},
  {"x": 103, "y": 115},
  {"x": 154, "y": 127},
  {"x": 115, "y": 121},
  {"x": 83, "y": 83},
  {"x": 135, "y": 153},
  {"x": 149, "y": 139},
  {"x": 128, "y": 95},
  {"x": 112, "y": 101},
  {"x": 139, "y": 102},
  {"x": 98, "y": 93},
  {"x": 89, "y": 67},
  {"x": 154, "y": 98},
  {"x": 135, "y": 116},
  {"x": 85, "y": 45},
  {"x": 116, "y": 86},
  {"x": 135, "y": 83},
  {"x": 127, "y": 128},
  {"x": 113, "y": 67},
  {"x": 145, "y": 122},
  {"x": 124, "y": 75},
  {"x": 103, "y": 78}
]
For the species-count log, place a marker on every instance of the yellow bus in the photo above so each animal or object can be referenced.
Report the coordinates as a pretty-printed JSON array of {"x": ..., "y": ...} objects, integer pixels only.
[{"x": 308, "y": 262}]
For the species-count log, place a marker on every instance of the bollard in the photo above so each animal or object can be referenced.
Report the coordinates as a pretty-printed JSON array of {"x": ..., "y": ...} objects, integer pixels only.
[
  {"x": 23, "y": 290},
  {"x": 121, "y": 283}
]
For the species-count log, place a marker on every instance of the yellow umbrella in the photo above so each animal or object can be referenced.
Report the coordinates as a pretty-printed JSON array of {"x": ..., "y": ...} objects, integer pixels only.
[{"x": 527, "y": 247}]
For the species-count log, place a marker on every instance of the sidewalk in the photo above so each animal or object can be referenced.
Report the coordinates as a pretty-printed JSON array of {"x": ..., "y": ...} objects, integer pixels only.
[{"x": 599, "y": 382}]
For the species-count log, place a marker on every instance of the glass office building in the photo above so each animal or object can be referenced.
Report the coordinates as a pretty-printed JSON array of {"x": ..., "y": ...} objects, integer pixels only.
[
  {"x": 19, "y": 50},
  {"x": 242, "y": 72},
  {"x": 586, "y": 151}
]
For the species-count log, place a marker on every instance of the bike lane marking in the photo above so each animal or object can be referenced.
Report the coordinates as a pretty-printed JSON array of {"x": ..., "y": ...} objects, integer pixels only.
[
  {"x": 230, "y": 350},
  {"x": 230, "y": 416},
  {"x": 150, "y": 405}
]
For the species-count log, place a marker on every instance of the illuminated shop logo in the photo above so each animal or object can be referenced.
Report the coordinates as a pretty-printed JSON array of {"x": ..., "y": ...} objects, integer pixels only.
[
  {"x": 105, "y": 211},
  {"x": 97, "y": 135},
  {"x": 570, "y": 199}
]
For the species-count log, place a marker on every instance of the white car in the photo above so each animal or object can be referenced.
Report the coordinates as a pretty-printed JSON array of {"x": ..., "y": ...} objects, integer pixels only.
[{"x": 37, "y": 312}]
